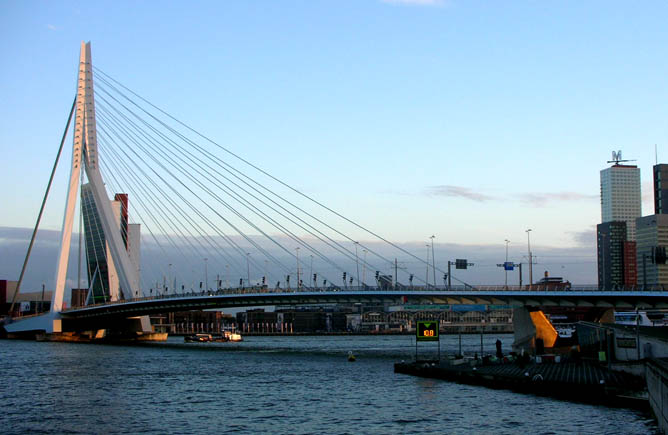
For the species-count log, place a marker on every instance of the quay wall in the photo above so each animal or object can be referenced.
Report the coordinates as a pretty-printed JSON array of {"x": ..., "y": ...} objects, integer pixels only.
[{"x": 657, "y": 387}]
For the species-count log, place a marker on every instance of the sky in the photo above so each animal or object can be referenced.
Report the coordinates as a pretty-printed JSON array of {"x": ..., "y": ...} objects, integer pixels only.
[{"x": 468, "y": 120}]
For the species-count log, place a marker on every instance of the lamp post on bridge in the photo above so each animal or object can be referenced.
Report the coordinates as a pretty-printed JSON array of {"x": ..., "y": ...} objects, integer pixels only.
[
  {"x": 602, "y": 280},
  {"x": 505, "y": 268},
  {"x": 311, "y": 271},
  {"x": 248, "y": 267},
  {"x": 364, "y": 267},
  {"x": 357, "y": 263},
  {"x": 433, "y": 258},
  {"x": 206, "y": 275},
  {"x": 530, "y": 258},
  {"x": 426, "y": 280},
  {"x": 298, "y": 280},
  {"x": 170, "y": 276}
]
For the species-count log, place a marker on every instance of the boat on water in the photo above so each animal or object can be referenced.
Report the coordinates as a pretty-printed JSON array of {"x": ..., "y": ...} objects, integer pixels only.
[
  {"x": 232, "y": 336},
  {"x": 198, "y": 338},
  {"x": 565, "y": 331},
  {"x": 641, "y": 318},
  {"x": 208, "y": 338}
]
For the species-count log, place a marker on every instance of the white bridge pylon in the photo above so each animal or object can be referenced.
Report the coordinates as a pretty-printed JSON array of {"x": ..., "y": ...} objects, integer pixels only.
[{"x": 84, "y": 152}]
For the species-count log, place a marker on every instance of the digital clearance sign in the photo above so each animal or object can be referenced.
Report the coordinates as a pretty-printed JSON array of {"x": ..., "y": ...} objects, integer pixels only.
[{"x": 427, "y": 331}]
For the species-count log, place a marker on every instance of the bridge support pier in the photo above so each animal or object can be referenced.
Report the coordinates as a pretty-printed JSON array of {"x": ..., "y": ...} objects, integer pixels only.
[
  {"x": 530, "y": 326},
  {"x": 54, "y": 327}
]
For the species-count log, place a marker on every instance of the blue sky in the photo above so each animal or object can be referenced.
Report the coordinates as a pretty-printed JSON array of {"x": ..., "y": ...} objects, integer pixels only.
[{"x": 469, "y": 120}]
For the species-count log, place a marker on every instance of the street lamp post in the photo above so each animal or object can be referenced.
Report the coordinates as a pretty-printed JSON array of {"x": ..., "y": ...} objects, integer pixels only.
[
  {"x": 364, "y": 266},
  {"x": 357, "y": 263},
  {"x": 298, "y": 281},
  {"x": 601, "y": 282},
  {"x": 530, "y": 259},
  {"x": 426, "y": 278},
  {"x": 504, "y": 266},
  {"x": 170, "y": 276},
  {"x": 206, "y": 275},
  {"x": 433, "y": 258},
  {"x": 248, "y": 267}
]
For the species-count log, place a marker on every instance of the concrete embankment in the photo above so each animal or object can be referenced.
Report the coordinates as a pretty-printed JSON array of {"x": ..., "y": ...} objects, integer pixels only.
[
  {"x": 578, "y": 381},
  {"x": 657, "y": 387}
]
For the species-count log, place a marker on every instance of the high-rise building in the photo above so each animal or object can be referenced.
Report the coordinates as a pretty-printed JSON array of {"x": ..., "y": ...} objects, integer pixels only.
[
  {"x": 610, "y": 241},
  {"x": 620, "y": 196},
  {"x": 102, "y": 276},
  {"x": 96, "y": 248},
  {"x": 652, "y": 233},
  {"x": 630, "y": 264},
  {"x": 661, "y": 189}
]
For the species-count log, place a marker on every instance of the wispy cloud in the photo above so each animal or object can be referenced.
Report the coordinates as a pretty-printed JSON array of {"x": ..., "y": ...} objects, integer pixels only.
[
  {"x": 534, "y": 199},
  {"x": 51, "y": 27},
  {"x": 416, "y": 2},
  {"x": 458, "y": 192},
  {"x": 542, "y": 199},
  {"x": 585, "y": 238}
]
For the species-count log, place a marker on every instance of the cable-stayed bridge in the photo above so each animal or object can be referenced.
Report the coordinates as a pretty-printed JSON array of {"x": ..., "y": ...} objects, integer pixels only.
[{"x": 196, "y": 204}]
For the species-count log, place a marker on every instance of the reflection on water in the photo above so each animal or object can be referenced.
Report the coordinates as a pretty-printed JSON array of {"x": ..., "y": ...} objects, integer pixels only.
[{"x": 271, "y": 384}]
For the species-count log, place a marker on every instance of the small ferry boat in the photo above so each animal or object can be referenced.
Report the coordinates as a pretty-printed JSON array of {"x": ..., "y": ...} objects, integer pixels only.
[
  {"x": 232, "y": 336},
  {"x": 198, "y": 338},
  {"x": 208, "y": 338}
]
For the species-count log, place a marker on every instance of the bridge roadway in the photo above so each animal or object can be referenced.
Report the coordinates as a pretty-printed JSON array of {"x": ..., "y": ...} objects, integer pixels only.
[{"x": 494, "y": 295}]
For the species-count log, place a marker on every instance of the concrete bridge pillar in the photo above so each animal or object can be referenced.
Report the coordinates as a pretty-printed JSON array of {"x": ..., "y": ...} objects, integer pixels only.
[{"x": 530, "y": 325}]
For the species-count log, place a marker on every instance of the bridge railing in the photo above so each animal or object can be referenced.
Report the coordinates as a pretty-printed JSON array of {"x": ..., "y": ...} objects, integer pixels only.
[{"x": 398, "y": 288}]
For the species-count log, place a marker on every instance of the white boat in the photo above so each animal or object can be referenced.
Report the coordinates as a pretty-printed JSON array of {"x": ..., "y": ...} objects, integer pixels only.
[
  {"x": 233, "y": 336},
  {"x": 564, "y": 331},
  {"x": 641, "y": 318}
]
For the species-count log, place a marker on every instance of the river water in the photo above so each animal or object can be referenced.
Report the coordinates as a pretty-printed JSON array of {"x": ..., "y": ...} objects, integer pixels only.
[{"x": 271, "y": 385}]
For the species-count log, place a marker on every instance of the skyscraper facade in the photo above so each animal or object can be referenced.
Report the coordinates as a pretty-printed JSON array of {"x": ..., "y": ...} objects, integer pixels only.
[
  {"x": 96, "y": 248},
  {"x": 620, "y": 196},
  {"x": 652, "y": 233},
  {"x": 102, "y": 276},
  {"x": 661, "y": 189},
  {"x": 610, "y": 240}
]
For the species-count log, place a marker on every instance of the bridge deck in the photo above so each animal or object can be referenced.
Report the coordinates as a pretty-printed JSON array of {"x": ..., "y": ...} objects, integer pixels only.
[{"x": 210, "y": 300}]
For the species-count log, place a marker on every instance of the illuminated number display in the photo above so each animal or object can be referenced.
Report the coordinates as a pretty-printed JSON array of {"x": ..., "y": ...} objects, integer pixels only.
[{"x": 427, "y": 331}]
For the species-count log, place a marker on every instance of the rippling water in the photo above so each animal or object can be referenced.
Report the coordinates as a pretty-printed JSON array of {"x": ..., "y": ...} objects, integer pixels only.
[{"x": 270, "y": 385}]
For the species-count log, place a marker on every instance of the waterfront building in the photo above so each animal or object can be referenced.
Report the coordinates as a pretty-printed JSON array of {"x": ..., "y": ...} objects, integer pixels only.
[
  {"x": 7, "y": 290},
  {"x": 630, "y": 263},
  {"x": 190, "y": 322},
  {"x": 620, "y": 196},
  {"x": 78, "y": 297},
  {"x": 652, "y": 232},
  {"x": 102, "y": 275},
  {"x": 26, "y": 303},
  {"x": 661, "y": 189},
  {"x": 610, "y": 243},
  {"x": 615, "y": 236}
]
